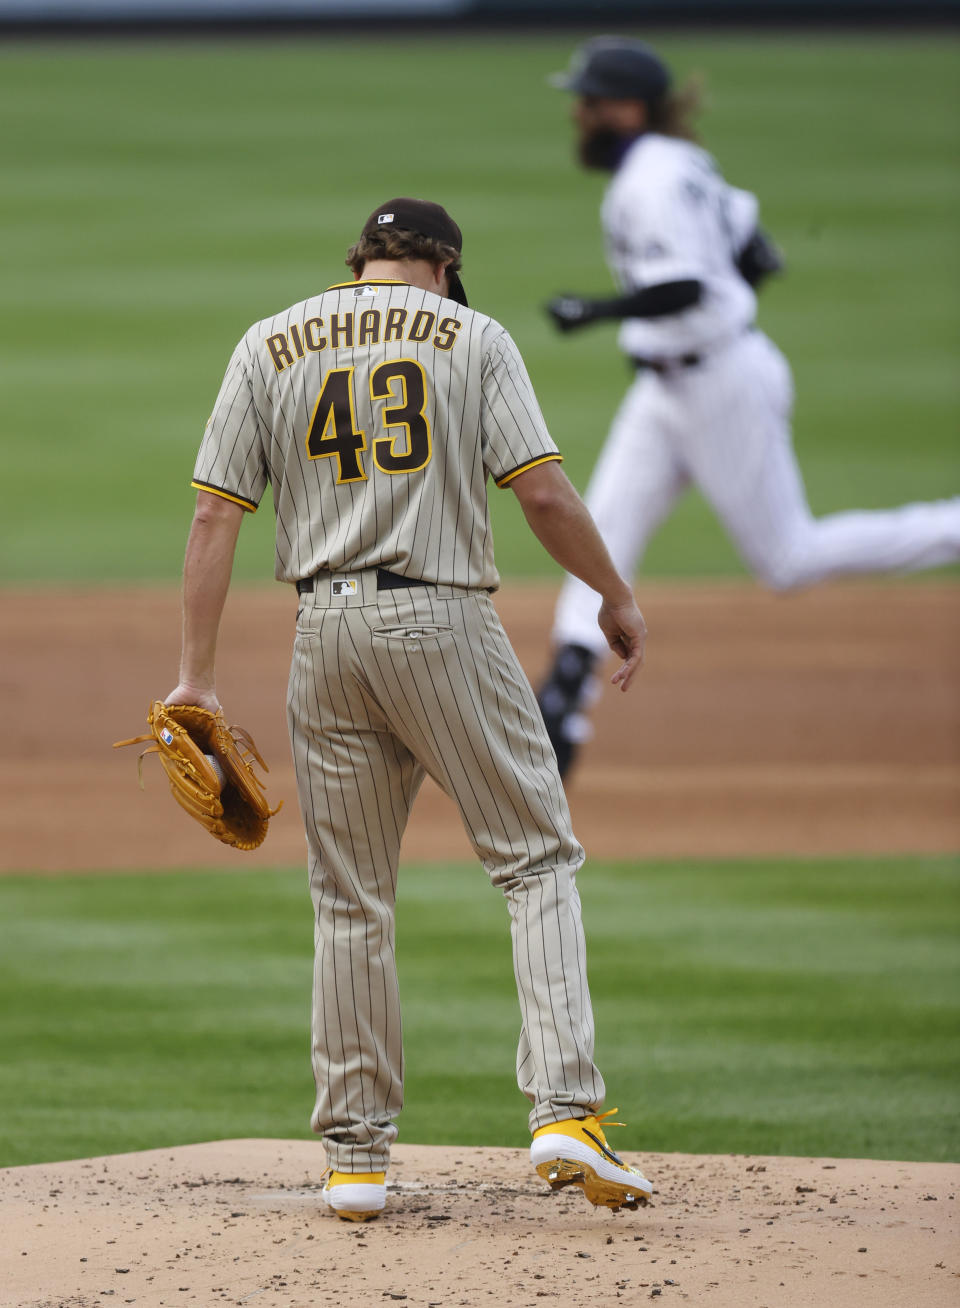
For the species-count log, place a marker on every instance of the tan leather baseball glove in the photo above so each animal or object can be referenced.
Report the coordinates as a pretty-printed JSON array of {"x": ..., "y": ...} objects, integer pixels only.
[{"x": 207, "y": 765}]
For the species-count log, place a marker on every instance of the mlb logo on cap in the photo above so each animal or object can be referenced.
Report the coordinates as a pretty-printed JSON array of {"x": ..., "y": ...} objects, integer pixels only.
[{"x": 423, "y": 218}]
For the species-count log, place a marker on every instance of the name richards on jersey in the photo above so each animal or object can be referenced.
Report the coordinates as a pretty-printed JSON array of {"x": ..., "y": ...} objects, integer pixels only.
[{"x": 371, "y": 327}]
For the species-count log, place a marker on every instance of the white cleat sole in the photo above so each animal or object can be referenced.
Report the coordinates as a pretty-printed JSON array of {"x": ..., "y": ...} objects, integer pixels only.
[
  {"x": 355, "y": 1203},
  {"x": 563, "y": 1161}
]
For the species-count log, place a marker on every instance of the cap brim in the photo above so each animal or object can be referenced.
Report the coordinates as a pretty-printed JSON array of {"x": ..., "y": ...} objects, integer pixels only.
[
  {"x": 561, "y": 82},
  {"x": 456, "y": 291}
]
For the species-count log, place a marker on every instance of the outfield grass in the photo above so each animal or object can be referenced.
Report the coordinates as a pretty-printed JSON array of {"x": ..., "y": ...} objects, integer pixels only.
[
  {"x": 797, "y": 1008},
  {"x": 159, "y": 197}
]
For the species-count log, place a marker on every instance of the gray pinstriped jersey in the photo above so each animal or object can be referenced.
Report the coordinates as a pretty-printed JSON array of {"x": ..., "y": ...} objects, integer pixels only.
[{"x": 376, "y": 411}]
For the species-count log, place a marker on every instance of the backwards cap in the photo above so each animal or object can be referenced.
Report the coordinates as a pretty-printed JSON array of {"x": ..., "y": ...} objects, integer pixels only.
[{"x": 426, "y": 219}]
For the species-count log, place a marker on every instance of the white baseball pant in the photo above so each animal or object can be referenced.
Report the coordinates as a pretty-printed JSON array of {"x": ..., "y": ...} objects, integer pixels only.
[{"x": 724, "y": 425}]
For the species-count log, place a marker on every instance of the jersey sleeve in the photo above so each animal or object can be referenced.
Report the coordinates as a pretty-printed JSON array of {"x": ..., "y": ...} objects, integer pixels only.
[
  {"x": 513, "y": 432},
  {"x": 647, "y": 246},
  {"x": 678, "y": 225},
  {"x": 231, "y": 461},
  {"x": 744, "y": 212}
]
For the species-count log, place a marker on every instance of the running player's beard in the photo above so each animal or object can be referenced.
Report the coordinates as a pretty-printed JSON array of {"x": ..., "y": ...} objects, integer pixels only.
[{"x": 603, "y": 148}]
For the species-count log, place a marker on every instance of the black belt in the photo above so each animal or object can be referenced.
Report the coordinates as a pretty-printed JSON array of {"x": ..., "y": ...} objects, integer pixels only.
[
  {"x": 662, "y": 366},
  {"x": 385, "y": 581}
]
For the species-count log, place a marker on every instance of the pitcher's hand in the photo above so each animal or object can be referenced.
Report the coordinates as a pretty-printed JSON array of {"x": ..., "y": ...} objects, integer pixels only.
[{"x": 626, "y": 634}]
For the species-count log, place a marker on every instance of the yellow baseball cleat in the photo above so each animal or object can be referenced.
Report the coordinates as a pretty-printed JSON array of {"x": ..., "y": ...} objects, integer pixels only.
[
  {"x": 575, "y": 1152},
  {"x": 355, "y": 1196}
]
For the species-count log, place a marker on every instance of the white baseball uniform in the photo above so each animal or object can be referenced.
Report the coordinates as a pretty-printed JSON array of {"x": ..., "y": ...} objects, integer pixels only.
[
  {"x": 715, "y": 410},
  {"x": 377, "y": 412}
]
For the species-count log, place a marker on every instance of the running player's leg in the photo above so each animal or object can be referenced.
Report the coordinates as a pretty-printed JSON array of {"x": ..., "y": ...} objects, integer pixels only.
[
  {"x": 456, "y": 695},
  {"x": 356, "y": 783},
  {"x": 740, "y": 452},
  {"x": 633, "y": 487}
]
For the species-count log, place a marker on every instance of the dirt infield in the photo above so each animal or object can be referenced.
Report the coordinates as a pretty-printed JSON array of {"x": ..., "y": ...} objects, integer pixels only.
[
  {"x": 821, "y": 723},
  {"x": 240, "y": 1222}
]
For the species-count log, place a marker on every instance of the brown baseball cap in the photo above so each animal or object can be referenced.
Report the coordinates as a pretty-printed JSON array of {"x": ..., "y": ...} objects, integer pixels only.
[{"x": 428, "y": 219}]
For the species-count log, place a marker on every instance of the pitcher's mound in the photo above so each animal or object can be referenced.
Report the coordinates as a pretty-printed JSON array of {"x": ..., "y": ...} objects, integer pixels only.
[{"x": 241, "y": 1222}]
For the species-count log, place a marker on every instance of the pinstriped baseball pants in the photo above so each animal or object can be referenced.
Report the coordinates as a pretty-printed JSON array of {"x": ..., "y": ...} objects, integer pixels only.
[{"x": 385, "y": 688}]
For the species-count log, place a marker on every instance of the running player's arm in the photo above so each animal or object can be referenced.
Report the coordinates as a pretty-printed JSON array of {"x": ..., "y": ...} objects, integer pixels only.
[
  {"x": 755, "y": 256},
  {"x": 562, "y": 523},
  {"x": 661, "y": 243},
  {"x": 570, "y": 311},
  {"x": 759, "y": 258}
]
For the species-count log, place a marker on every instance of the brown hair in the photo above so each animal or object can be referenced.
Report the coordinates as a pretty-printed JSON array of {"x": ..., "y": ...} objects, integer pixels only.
[
  {"x": 401, "y": 246},
  {"x": 674, "y": 113}
]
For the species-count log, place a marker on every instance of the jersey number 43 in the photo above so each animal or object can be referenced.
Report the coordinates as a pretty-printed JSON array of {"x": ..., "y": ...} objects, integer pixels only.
[{"x": 400, "y": 385}]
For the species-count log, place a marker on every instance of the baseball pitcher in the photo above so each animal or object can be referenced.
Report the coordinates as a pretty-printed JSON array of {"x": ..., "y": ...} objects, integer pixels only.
[{"x": 377, "y": 411}]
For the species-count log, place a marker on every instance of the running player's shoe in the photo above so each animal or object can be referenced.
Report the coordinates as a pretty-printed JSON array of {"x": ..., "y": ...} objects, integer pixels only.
[
  {"x": 355, "y": 1196},
  {"x": 575, "y": 1152}
]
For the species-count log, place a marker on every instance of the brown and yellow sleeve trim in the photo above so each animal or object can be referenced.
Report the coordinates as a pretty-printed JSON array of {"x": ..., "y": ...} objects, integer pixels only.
[
  {"x": 525, "y": 467},
  {"x": 226, "y": 495},
  {"x": 368, "y": 281}
]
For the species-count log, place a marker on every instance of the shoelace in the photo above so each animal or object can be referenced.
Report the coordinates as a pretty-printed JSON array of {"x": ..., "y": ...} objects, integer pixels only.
[
  {"x": 602, "y": 1118},
  {"x": 600, "y": 1139}
]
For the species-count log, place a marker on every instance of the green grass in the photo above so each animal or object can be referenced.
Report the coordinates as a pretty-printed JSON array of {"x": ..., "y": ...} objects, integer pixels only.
[
  {"x": 800, "y": 1008},
  {"x": 159, "y": 197}
]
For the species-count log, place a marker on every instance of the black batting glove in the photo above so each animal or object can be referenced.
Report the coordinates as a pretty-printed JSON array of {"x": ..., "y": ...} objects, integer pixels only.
[{"x": 571, "y": 311}]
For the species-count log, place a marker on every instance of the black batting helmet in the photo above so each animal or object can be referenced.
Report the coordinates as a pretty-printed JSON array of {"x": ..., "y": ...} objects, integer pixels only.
[{"x": 615, "y": 68}]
